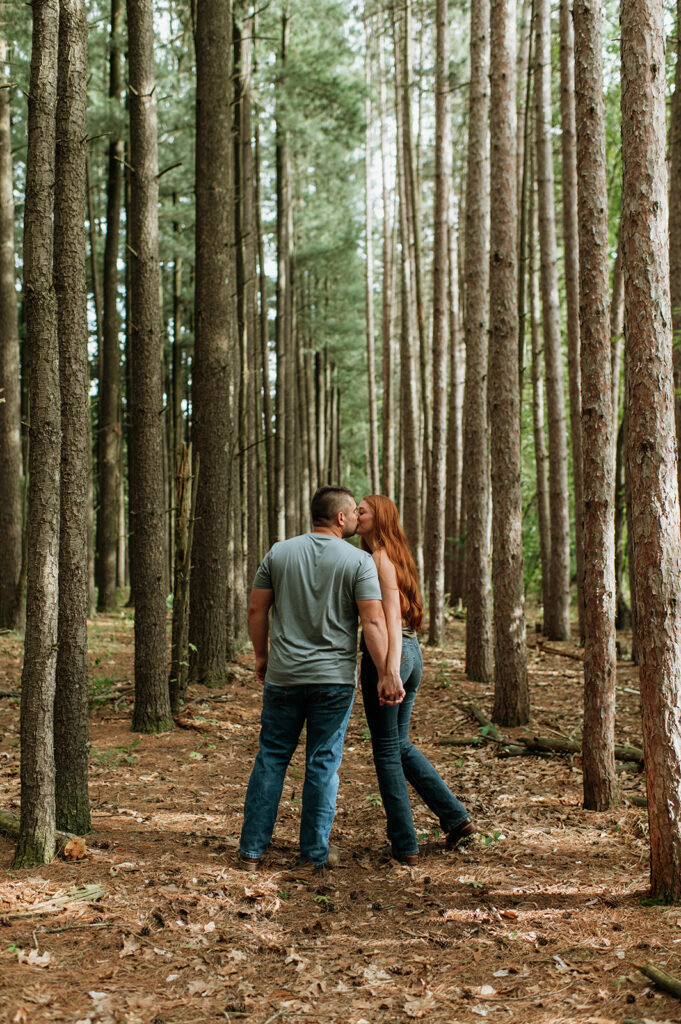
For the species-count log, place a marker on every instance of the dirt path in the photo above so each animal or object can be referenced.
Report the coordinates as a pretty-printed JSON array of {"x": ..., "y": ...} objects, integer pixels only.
[{"x": 541, "y": 919}]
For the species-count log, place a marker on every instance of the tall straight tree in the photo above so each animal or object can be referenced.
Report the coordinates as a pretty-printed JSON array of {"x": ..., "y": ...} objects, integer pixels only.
[
  {"x": 479, "y": 657},
  {"x": 10, "y": 399},
  {"x": 675, "y": 229},
  {"x": 571, "y": 259},
  {"x": 511, "y": 694},
  {"x": 215, "y": 347},
  {"x": 388, "y": 410},
  {"x": 437, "y": 482},
  {"x": 598, "y": 433},
  {"x": 147, "y": 493},
  {"x": 652, "y": 442},
  {"x": 369, "y": 273},
  {"x": 37, "y": 827},
  {"x": 109, "y": 397},
  {"x": 557, "y": 608},
  {"x": 71, "y": 732},
  {"x": 284, "y": 440}
]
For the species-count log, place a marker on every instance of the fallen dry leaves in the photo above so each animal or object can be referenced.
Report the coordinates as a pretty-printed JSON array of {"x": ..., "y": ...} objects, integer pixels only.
[{"x": 541, "y": 920}]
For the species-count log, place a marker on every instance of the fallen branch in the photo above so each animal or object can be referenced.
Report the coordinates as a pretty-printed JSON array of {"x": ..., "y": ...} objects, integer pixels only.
[
  {"x": 491, "y": 731},
  {"x": 638, "y": 801},
  {"x": 188, "y": 723},
  {"x": 623, "y": 752},
  {"x": 661, "y": 978},
  {"x": 460, "y": 741},
  {"x": 10, "y": 693},
  {"x": 9, "y": 827},
  {"x": 541, "y": 646}
]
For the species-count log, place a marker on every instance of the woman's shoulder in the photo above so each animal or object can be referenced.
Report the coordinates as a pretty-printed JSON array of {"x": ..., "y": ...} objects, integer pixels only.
[{"x": 385, "y": 567}]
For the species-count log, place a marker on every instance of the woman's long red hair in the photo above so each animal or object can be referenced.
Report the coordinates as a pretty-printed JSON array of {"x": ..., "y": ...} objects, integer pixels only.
[{"x": 389, "y": 535}]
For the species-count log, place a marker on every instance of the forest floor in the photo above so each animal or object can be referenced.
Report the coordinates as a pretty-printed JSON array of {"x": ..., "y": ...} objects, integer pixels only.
[{"x": 542, "y": 918}]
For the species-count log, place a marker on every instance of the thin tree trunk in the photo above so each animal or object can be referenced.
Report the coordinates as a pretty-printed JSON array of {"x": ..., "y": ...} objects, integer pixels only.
[
  {"x": 265, "y": 352},
  {"x": 185, "y": 499},
  {"x": 652, "y": 437},
  {"x": 454, "y": 551},
  {"x": 388, "y": 410},
  {"x": 479, "y": 657},
  {"x": 557, "y": 609},
  {"x": 71, "y": 724},
  {"x": 571, "y": 258},
  {"x": 147, "y": 492},
  {"x": 109, "y": 420},
  {"x": 437, "y": 484},
  {"x": 369, "y": 275},
  {"x": 36, "y": 843},
  {"x": 598, "y": 441},
  {"x": 511, "y": 695},
  {"x": 11, "y": 598},
  {"x": 216, "y": 353},
  {"x": 543, "y": 514},
  {"x": 282, "y": 323}
]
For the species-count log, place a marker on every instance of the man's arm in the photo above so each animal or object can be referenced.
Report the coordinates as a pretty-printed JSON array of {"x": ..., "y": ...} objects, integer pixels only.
[
  {"x": 258, "y": 607},
  {"x": 376, "y": 638}
]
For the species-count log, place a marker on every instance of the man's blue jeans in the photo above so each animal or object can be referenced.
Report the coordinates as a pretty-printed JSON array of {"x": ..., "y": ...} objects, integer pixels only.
[
  {"x": 285, "y": 709},
  {"x": 398, "y": 761}
]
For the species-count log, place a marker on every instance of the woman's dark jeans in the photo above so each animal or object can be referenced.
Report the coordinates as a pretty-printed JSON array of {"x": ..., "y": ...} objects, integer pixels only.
[{"x": 398, "y": 761}]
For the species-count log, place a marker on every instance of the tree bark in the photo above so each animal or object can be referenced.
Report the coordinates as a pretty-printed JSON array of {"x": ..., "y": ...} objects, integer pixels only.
[
  {"x": 571, "y": 260},
  {"x": 71, "y": 711},
  {"x": 675, "y": 231},
  {"x": 147, "y": 493},
  {"x": 435, "y": 516},
  {"x": 109, "y": 418},
  {"x": 216, "y": 353},
  {"x": 37, "y": 829},
  {"x": 652, "y": 437},
  {"x": 387, "y": 291},
  {"x": 11, "y": 598},
  {"x": 511, "y": 695},
  {"x": 454, "y": 504},
  {"x": 557, "y": 608},
  {"x": 369, "y": 275},
  {"x": 598, "y": 440},
  {"x": 479, "y": 657}
]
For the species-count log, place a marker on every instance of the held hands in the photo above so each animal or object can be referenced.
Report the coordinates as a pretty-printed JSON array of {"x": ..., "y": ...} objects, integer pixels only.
[{"x": 390, "y": 689}]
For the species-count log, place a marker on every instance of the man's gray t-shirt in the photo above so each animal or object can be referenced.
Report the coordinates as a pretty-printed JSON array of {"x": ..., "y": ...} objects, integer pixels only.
[{"x": 317, "y": 581}]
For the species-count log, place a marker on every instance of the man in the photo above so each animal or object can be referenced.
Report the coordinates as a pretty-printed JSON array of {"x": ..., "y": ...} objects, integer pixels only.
[{"x": 316, "y": 584}]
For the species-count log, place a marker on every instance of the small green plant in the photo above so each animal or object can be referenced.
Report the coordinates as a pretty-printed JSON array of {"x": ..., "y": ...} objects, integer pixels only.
[
  {"x": 459, "y": 762},
  {"x": 113, "y": 757},
  {"x": 496, "y": 835},
  {"x": 99, "y": 689},
  {"x": 283, "y": 895},
  {"x": 373, "y": 799},
  {"x": 196, "y": 756},
  {"x": 12, "y": 948},
  {"x": 366, "y": 734}
]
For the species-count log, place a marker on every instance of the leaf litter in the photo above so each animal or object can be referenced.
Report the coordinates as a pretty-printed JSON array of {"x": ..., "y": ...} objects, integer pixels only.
[{"x": 541, "y": 919}]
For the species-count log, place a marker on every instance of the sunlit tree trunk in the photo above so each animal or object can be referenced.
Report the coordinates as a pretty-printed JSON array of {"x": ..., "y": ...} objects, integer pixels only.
[
  {"x": 37, "y": 827},
  {"x": 511, "y": 695},
  {"x": 11, "y": 599},
  {"x": 557, "y": 608},
  {"x": 675, "y": 230},
  {"x": 571, "y": 262},
  {"x": 147, "y": 491},
  {"x": 598, "y": 438},
  {"x": 479, "y": 657},
  {"x": 652, "y": 438}
]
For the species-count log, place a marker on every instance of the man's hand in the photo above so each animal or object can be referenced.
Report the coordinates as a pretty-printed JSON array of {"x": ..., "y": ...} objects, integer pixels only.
[
  {"x": 390, "y": 689},
  {"x": 259, "y": 605},
  {"x": 261, "y": 669}
]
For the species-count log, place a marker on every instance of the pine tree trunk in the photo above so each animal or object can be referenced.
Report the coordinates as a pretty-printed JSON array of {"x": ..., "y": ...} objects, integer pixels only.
[
  {"x": 479, "y": 657},
  {"x": 543, "y": 514},
  {"x": 571, "y": 259},
  {"x": 264, "y": 356},
  {"x": 11, "y": 598},
  {"x": 37, "y": 828},
  {"x": 598, "y": 440},
  {"x": 675, "y": 232},
  {"x": 454, "y": 553},
  {"x": 109, "y": 420},
  {"x": 71, "y": 724},
  {"x": 387, "y": 292},
  {"x": 652, "y": 436},
  {"x": 435, "y": 516},
  {"x": 557, "y": 609},
  {"x": 216, "y": 353},
  {"x": 511, "y": 695},
  {"x": 147, "y": 491}
]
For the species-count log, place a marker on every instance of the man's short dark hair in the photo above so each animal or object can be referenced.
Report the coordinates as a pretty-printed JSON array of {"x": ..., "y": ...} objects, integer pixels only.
[{"x": 327, "y": 502}]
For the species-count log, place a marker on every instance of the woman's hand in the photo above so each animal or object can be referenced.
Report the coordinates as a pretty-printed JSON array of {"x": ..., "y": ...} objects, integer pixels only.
[{"x": 390, "y": 689}]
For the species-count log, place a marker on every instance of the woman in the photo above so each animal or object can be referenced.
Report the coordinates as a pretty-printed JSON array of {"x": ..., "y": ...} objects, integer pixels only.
[{"x": 397, "y": 761}]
